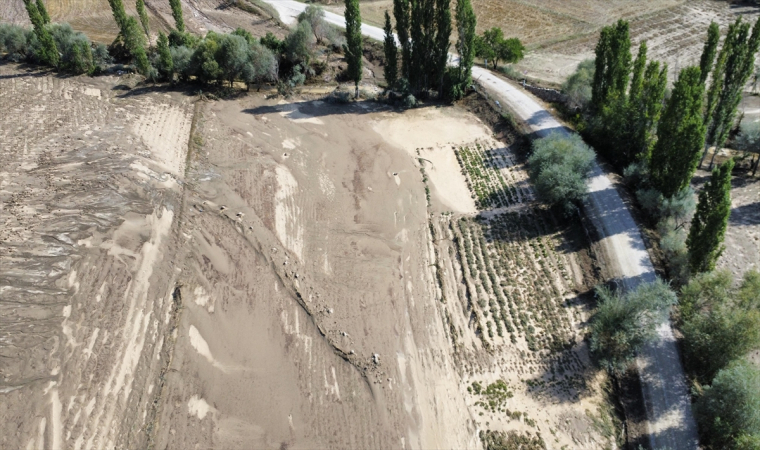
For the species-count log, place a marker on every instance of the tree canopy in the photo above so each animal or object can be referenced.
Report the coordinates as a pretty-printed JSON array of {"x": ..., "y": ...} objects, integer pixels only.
[{"x": 559, "y": 167}]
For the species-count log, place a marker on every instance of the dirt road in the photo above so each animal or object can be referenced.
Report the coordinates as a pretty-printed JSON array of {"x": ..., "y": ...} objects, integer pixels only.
[{"x": 671, "y": 423}]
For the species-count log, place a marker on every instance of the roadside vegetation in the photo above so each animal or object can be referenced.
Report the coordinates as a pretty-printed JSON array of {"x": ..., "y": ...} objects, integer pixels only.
[
  {"x": 559, "y": 166},
  {"x": 657, "y": 138}
]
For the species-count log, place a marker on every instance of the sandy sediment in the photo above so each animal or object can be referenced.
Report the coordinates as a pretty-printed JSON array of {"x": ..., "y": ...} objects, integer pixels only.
[{"x": 89, "y": 215}]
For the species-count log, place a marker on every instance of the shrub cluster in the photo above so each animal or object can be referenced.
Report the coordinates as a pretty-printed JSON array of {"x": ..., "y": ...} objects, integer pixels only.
[
  {"x": 77, "y": 54},
  {"x": 559, "y": 167}
]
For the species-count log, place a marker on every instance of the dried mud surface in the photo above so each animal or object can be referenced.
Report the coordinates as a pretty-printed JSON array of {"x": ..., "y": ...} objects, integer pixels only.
[
  {"x": 91, "y": 194},
  {"x": 243, "y": 273}
]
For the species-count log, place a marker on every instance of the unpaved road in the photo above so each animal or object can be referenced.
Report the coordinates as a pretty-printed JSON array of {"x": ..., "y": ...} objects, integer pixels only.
[{"x": 671, "y": 422}]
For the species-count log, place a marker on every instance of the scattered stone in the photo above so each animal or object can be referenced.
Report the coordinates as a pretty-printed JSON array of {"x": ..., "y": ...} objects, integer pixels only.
[
  {"x": 376, "y": 358},
  {"x": 222, "y": 208}
]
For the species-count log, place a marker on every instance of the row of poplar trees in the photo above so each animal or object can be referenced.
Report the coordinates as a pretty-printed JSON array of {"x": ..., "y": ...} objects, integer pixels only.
[
  {"x": 631, "y": 122},
  {"x": 423, "y": 33}
]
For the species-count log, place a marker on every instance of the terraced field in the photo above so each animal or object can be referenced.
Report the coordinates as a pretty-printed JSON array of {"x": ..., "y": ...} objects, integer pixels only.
[{"x": 509, "y": 282}]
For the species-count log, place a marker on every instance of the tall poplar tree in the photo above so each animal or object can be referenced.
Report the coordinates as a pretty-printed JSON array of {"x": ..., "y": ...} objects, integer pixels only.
[
  {"x": 708, "y": 227},
  {"x": 680, "y": 135},
  {"x": 401, "y": 15},
  {"x": 140, "y": 6},
  {"x": 649, "y": 108},
  {"x": 353, "y": 46},
  {"x": 165, "y": 61},
  {"x": 709, "y": 51},
  {"x": 442, "y": 40},
  {"x": 135, "y": 42},
  {"x": 619, "y": 68},
  {"x": 390, "y": 69},
  {"x": 43, "y": 12},
  {"x": 49, "y": 51},
  {"x": 741, "y": 48},
  {"x": 466, "y": 23},
  {"x": 119, "y": 15},
  {"x": 179, "y": 20},
  {"x": 599, "y": 88},
  {"x": 613, "y": 64}
]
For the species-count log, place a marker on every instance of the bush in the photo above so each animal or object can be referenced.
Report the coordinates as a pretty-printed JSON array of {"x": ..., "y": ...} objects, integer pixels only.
[
  {"x": 622, "y": 324},
  {"x": 728, "y": 411},
  {"x": 181, "y": 58},
  {"x": 637, "y": 175},
  {"x": 650, "y": 200},
  {"x": 577, "y": 87},
  {"x": 720, "y": 323},
  {"x": 271, "y": 42},
  {"x": 14, "y": 40},
  {"x": 559, "y": 167},
  {"x": 714, "y": 339},
  {"x": 315, "y": 17},
  {"x": 75, "y": 48},
  {"x": 299, "y": 44}
]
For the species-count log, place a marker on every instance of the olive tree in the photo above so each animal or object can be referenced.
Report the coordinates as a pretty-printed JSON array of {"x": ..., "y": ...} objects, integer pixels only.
[
  {"x": 728, "y": 411},
  {"x": 559, "y": 167},
  {"x": 624, "y": 323}
]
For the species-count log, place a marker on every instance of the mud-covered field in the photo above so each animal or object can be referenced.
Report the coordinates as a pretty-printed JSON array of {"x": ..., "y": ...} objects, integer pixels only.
[
  {"x": 265, "y": 273},
  {"x": 675, "y": 32}
]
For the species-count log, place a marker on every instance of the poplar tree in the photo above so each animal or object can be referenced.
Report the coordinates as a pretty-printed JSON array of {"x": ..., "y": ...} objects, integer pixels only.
[
  {"x": 422, "y": 31},
  {"x": 119, "y": 15},
  {"x": 739, "y": 56},
  {"x": 442, "y": 40},
  {"x": 627, "y": 122},
  {"x": 708, "y": 227},
  {"x": 466, "y": 22},
  {"x": 165, "y": 61},
  {"x": 620, "y": 65},
  {"x": 613, "y": 64},
  {"x": 599, "y": 88},
  {"x": 709, "y": 51},
  {"x": 134, "y": 42},
  {"x": 43, "y": 12},
  {"x": 353, "y": 46},
  {"x": 401, "y": 14},
  {"x": 680, "y": 135},
  {"x": 140, "y": 6},
  {"x": 177, "y": 14},
  {"x": 649, "y": 108},
  {"x": 390, "y": 70},
  {"x": 48, "y": 52}
]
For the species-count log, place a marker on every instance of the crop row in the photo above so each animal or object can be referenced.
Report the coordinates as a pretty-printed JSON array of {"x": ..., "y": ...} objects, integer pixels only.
[
  {"x": 508, "y": 270},
  {"x": 489, "y": 172}
]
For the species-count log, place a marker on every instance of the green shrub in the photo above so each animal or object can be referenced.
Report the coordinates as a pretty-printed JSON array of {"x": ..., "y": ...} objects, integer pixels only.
[
  {"x": 728, "y": 411},
  {"x": 622, "y": 324},
  {"x": 577, "y": 87},
  {"x": 720, "y": 323},
  {"x": 14, "y": 40},
  {"x": 559, "y": 167}
]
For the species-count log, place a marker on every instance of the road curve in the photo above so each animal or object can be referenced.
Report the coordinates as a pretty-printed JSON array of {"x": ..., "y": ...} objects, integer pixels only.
[{"x": 671, "y": 423}]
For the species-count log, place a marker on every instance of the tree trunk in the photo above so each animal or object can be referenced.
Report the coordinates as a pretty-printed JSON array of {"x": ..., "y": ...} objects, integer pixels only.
[
  {"x": 704, "y": 155},
  {"x": 713, "y": 158},
  {"x": 356, "y": 93},
  {"x": 757, "y": 162}
]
